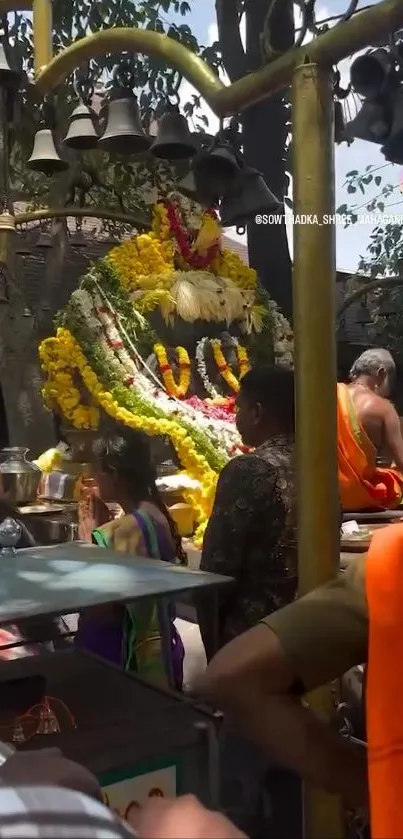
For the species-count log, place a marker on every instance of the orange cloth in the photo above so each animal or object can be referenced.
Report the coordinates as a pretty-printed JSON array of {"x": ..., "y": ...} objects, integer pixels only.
[
  {"x": 384, "y": 590},
  {"x": 362, "y": 484}
]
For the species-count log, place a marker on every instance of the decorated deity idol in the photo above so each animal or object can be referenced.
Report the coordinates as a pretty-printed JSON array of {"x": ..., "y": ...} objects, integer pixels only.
[{"x": 157, "y": 337}]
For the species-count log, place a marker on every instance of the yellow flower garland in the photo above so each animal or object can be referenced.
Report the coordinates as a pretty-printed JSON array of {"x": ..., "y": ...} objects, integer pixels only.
[
  {"x": 243, "y": 360},
  {"x": 143, "y": 262},
  {"x": 223, "y": 365},
  {"x": 63, "y": 352},
  {"x": 179, "y": 390},
  {"x": 160, "y": 224},
  {"x": 60, "y": 388},
  {"x": 229, "y": 265}
]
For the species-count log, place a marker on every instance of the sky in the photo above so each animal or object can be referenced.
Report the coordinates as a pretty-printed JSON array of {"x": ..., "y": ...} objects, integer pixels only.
[{"x": 352, "y": 242}]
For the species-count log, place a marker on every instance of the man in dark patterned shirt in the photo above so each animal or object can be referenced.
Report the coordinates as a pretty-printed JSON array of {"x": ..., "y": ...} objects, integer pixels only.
[{"x": 251, "y": 535}]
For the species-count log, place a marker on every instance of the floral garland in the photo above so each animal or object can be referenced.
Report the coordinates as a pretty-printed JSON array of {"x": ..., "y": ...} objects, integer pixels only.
[
  {"x": 60, "y": 388},
  {"x": 202, "y": 370},
  {"x": 67, "y": 350},
  {"x": 224, "y": 410},
  {"x": 229, "y": 264},
  {"x": 222, "y": 365},
  {"x": 179, "y": 390},
  {"x": 224, "y": 369},
  {"x": 187, "y": 249},
  {"x": 221, "y": 433},
  {"x": 143, "y": 262}
]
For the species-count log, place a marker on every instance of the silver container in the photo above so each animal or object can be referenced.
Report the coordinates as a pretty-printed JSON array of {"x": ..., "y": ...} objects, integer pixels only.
[
  {"x": 20, "y": 478},
  {"x": 6, "y": 750}
]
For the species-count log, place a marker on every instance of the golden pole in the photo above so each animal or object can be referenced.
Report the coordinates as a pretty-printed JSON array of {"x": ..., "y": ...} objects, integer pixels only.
[
  {"x": 173, "y": 54},
  {"x": 314, "y": 284},
  {"x": 42, "y": 33}
]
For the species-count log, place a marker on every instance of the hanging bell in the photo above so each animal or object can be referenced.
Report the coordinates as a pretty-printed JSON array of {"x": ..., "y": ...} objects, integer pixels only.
[
  {"x": 187, "y": 187},
  {"x": 9, "y": 78},
  {"x": 247, "y": 196},
  {"x": 124, "y": 133},
  {"x": 370, "y": 73},
  {"x": 23, "y": 246},
  {"x": 78, "y": 240},
  {"x": 45, "y": 157},
  {"x": 44, "y": 241},
  {"x": 371, "y": 124},
  {"x": 174, "y": 140},
  {"x": 393, "y": 148},
  {"x": 82, "y": 134},
  {"x": 214, "y": 170}
]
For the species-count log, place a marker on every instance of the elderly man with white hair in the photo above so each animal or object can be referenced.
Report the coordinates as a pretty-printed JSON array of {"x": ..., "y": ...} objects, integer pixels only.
[{"x": 368, "y": 425}]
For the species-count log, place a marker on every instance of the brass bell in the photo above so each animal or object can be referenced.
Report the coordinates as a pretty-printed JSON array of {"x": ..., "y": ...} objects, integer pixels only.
[
  {"x": 9, "y": 78},
  {"x": 371, "y": 124},
  {"x": 213, "y": 171},
  {"x": 393, "y": 148},
  {"x": 370, "y": 73},
  {"x": 124, "y": 133},
  {"x": 82, "y": 134},
  {"x": 247, "y": 196},
  {"x": 44, "y": 241},
  {"x": 174, "y": 140},
  {"x": 45, "y": 157}
]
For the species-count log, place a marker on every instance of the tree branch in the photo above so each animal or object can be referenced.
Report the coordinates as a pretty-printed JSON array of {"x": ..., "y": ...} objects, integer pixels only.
[
  {"x": 232, "y": 51},
  {"x": 386, "y": 282}
]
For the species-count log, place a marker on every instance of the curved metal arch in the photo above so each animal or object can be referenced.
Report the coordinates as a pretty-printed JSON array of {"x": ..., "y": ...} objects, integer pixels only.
[
  {"x": 191, "y": 67},
  {"x": 83, "y": 212}
]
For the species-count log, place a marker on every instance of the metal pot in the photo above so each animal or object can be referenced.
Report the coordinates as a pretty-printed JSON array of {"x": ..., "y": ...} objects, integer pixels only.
[
  {"x": 6, "y": 751},
  {"x": 20, "y": 478}
]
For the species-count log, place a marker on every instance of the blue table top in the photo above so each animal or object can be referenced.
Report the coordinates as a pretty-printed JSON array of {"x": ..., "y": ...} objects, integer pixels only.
[{"x": 62, "y": 579}]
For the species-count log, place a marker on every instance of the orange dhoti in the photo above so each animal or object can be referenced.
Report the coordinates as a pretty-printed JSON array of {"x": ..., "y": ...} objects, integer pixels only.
[
  {"x": 362, "y": 484},
  {"x": 384, "y": 592}
]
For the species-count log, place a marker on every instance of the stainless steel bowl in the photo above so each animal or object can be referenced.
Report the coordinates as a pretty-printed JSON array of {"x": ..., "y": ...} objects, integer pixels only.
[{"x": 21, "y": 487}]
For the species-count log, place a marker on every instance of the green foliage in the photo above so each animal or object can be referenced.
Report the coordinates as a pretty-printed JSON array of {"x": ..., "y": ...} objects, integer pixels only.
[
  {"x": 383, "y": 254},
  {"x": 118, "y": 183},
  {"x": 385, "y": 247}
]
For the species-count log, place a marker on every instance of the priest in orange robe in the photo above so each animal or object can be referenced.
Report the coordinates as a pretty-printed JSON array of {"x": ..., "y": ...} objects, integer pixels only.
[{"x": 368, "y": 425}]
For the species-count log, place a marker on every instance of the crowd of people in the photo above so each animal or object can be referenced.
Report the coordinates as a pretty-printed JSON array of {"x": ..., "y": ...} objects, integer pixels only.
[{"x": 271, "y": 648}]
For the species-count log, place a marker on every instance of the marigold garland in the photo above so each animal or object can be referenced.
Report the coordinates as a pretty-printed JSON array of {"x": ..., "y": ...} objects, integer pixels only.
[
  {"x": 223, "y": 366},
  {"x": 143, "y": 262},
  {"x": 59, "y": 389},
  {"x": 179, "y": 390},
  {"x": 64, "y": 351}
]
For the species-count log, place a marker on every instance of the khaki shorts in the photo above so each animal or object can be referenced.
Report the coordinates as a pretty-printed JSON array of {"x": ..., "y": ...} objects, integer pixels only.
[{"x": 325, "y": 633}]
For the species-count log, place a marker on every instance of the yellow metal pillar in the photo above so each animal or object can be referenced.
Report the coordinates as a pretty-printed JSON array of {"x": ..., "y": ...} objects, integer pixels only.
[
  {"x": 314, "y": 279},
  {"x": 42, "y": 33}
]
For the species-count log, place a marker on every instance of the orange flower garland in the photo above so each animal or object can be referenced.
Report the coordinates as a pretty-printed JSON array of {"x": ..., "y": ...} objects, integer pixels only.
[
  {"x": 179, "y": 390},
  {"x": 223, "y": 366}
]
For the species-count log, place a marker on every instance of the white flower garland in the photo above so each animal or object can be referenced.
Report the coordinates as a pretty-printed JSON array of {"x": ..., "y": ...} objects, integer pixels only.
[
  {"x": 202, "y": 368},
  {"x": 223, "y": 435}
]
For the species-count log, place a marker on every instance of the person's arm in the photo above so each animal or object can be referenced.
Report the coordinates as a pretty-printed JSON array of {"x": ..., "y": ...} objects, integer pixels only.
[
  {"x": 256, "y": 678},
  {"x": 243, "y": 492},
  {"x": 393, "y": 436}
]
